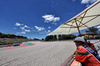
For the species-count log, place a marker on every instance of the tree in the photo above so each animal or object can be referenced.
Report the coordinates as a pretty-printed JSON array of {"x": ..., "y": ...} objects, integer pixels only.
[
  {"x": 47, "y": 38},
  {"x": 42, "y": 39},
  {"x": 10, "y": 36},
  {"x": 92, "y": 31},
  {"x": 72, "y": 36},
  {"x": 0, "y": 35},
  {"x": 67, "y": 37},
  {"x": 64, "y": 37},
  {"x": 98, "y": 37},
  {"x": 51, "y": 37},
  {"x": 59, "y": 37},
  {"x": 54, "y": 37}
]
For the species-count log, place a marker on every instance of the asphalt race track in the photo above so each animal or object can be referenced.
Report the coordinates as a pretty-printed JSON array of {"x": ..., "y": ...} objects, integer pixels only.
[{"x": 39, "y": 54}]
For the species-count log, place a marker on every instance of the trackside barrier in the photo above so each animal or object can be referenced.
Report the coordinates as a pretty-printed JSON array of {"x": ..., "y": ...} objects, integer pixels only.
[
  {"x": 68, "y": 61},
  {"x": 71, "y": 61}
]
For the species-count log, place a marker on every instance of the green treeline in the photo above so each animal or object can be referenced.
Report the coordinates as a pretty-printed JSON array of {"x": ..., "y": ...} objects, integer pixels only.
[
  {"x": 10, "y": 36},
  {"x": 60, "y": 37},
  {"x": 93, "y": 31}
]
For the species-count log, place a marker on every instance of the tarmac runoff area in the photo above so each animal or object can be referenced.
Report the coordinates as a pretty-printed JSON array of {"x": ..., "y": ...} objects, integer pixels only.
[{"x": 40, "y": 54}]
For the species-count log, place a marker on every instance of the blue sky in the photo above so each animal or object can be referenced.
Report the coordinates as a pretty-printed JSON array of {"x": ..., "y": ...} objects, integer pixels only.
[{"x": 37, "y": 18}]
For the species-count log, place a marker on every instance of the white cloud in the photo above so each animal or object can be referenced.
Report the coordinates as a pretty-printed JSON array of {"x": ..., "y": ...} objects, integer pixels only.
[
  {"x": 17, "y": 24},
  {"x": 56, "y": 19},
  {"x": 98, "y": 27},
  {"x": 85, "y": 1},
  {"x": 27, "y": 30},
  {"x": 22, "y": 28},
  {"x": 26, "y": 26},
  {"x": 88, "y": 1},
  {"x": 49, "y": 27},
  {"x": 39, "y": 28},
  {"x": 55, "y": 23},
  {"x": 87, "y": 5},
  {"x": 48, "y": 31},
  {"x": 50, "y": 18},
  {"x": 92, "y": 1},
  {"x": 23, "y": 32}
]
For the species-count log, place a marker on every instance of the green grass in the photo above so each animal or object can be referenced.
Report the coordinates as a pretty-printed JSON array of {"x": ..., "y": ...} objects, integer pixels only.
[
  {"x": 31, "y": 43},
  {"x": 3, "y": 45},
  {"x": 10, "y": 44}
]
